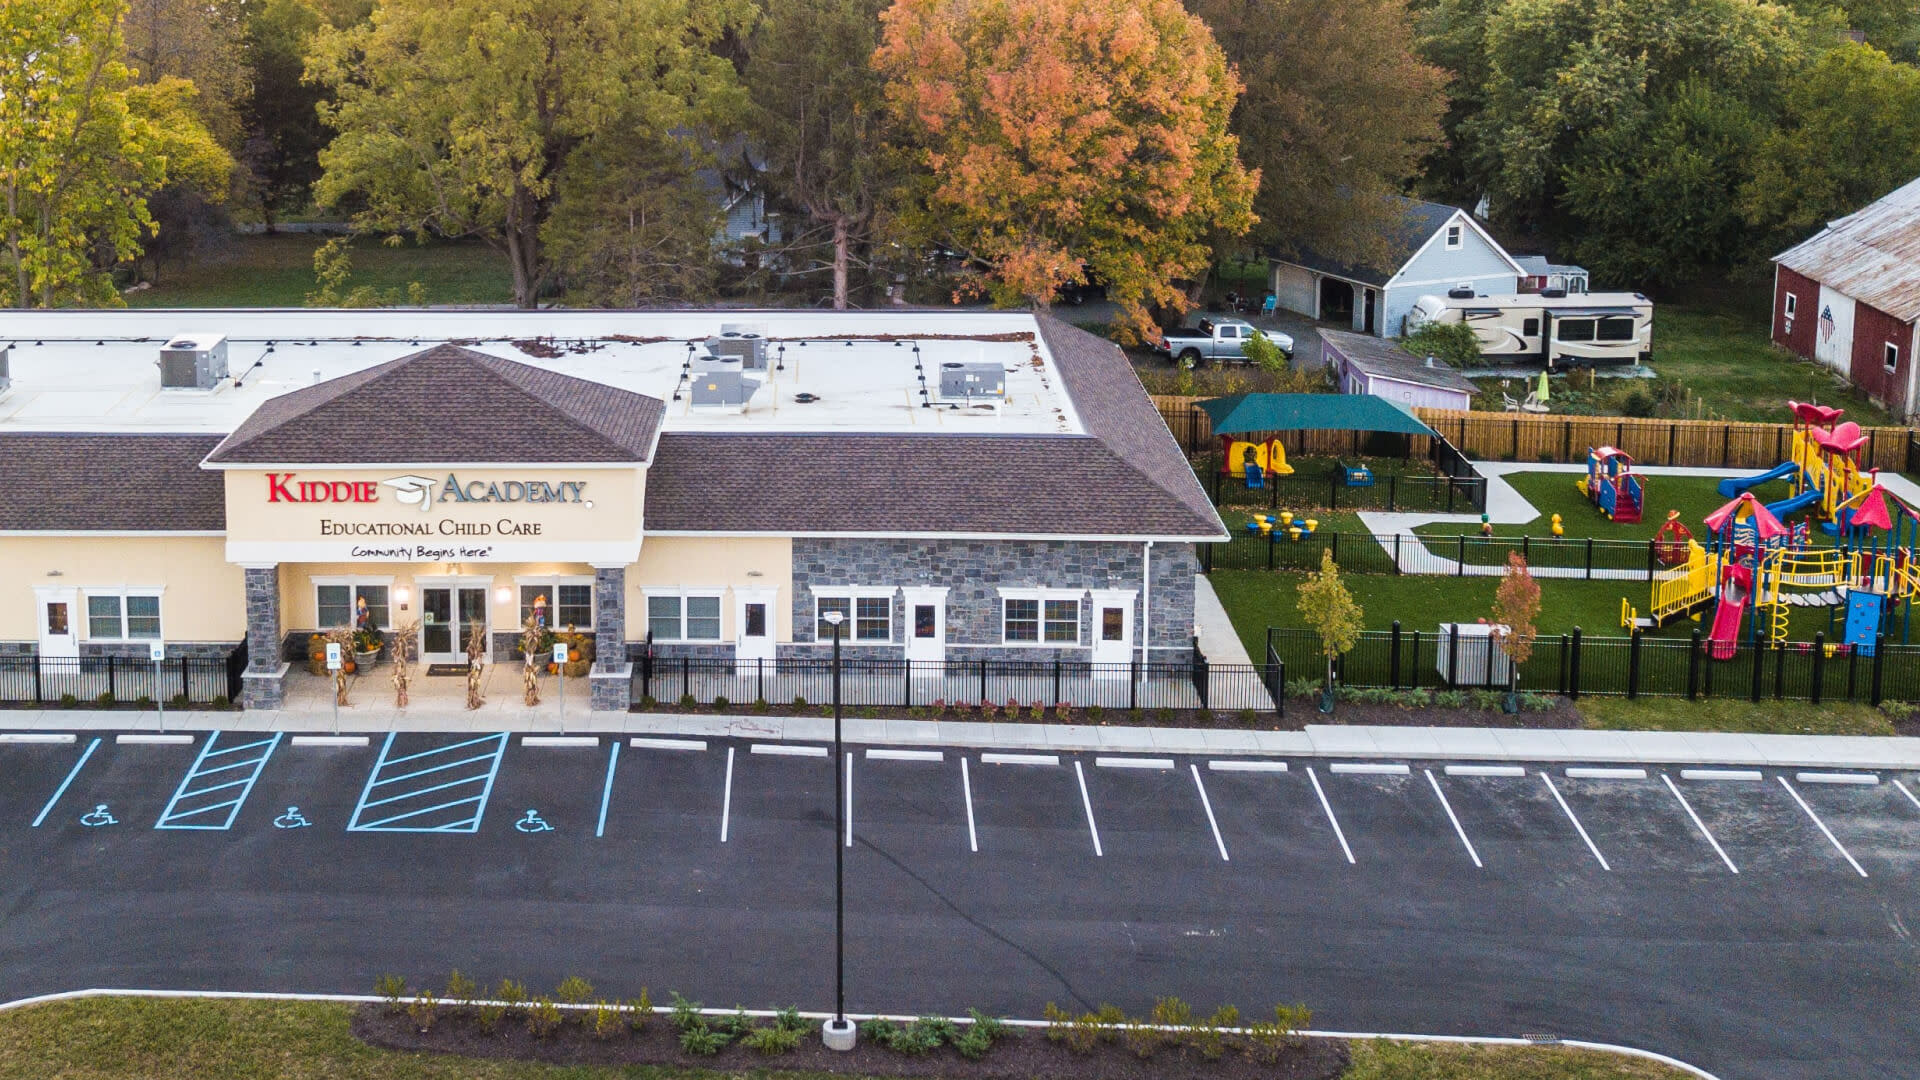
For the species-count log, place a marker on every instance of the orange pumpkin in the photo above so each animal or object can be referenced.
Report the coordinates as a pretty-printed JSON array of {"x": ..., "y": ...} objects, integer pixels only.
[
  {"x": 347, "y": 666},
  {"x": 553, "y": 669},
  {"x": 574, "y": 655}
]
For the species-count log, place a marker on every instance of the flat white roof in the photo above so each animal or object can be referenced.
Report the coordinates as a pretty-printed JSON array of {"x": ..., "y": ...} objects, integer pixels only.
[{"x": 99, "y": 370}]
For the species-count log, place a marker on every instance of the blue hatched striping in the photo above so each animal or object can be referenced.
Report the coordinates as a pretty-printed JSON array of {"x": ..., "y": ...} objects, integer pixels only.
[
  {"x": 216, "y": 787},
  {"x": 442, "y": 789}
]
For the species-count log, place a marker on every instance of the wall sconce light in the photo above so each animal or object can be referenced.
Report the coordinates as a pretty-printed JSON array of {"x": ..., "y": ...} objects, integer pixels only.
[
  {"x": 402, "y": 595},
  {"x": 503, "y": 595}
]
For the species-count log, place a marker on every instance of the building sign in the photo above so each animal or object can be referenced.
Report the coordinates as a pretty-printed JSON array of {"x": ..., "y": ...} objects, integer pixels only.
[{"x": 424, "y": 491}]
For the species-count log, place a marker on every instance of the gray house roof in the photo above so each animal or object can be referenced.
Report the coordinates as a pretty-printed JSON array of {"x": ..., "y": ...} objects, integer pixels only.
[
  {"x": 1125, "y": 477},
  {"x": 1872, "y": 254},
  {"x": 448, "y": 404},
  {"x": 107, "y": 483},
  {"x": 1421, "y": 221},
  {"x": 1382, "y": 358}
]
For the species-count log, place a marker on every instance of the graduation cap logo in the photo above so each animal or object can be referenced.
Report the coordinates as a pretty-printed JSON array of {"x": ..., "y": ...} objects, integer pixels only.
[{"x": 413, "y": 490}]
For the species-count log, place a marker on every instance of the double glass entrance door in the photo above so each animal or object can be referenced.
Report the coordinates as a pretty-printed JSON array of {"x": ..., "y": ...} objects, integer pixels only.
[{"x": 448, "y": 617}]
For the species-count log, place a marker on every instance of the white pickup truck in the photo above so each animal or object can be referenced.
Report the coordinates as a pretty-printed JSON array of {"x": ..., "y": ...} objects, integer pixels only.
[{"x": 1223, "y": 340}]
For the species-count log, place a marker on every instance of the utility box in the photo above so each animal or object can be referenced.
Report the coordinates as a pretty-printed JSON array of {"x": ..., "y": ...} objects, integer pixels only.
[
  {"x": 193, "y": 362},
  {"x": 749, "y": 346},
  {"x": 723, "y": 388},
  {"x": 1468, "y": 654},
  {"x": 973, "y": 379}
]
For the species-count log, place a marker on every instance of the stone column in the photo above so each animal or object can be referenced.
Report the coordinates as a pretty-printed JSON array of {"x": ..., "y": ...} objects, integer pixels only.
[
  {"x": 612, "y": 674},
  {"x": 263, "y": 684}
]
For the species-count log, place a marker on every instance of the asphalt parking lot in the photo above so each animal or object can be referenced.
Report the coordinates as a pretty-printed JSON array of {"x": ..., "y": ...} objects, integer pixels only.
[{"x": 1754, "y": 922}]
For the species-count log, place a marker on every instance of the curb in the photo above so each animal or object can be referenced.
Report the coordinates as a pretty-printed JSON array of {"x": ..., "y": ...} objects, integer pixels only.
[{"x": 659, "y": 1010}]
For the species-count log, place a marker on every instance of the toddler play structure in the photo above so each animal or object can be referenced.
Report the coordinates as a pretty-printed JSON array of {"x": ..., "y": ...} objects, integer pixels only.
[
  {"x": 1754, "y": 564},
  {"x": 1254, "y": 460},
  {"x": 1612, "y": 485},
  {"x": 1823, "y": 468},
  {"x": 1670, "y": 540},
  {"x": 1283, "y": 524}
]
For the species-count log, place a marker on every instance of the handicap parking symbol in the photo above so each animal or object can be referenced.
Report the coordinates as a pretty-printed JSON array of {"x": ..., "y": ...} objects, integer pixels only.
[
  {"x": 292, "y": 819},
  {"x": 533, "y": 823},
  {"x": 97, "y": 817}
]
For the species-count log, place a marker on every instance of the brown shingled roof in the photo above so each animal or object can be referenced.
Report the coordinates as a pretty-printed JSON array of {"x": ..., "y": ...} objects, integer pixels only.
[
  {"x": 106, "y": 483},
  {"x": 450, "y": 405}
]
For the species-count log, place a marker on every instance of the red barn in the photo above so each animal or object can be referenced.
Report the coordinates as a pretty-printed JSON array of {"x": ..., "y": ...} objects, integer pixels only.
[{"x": 1849, "y": 297}]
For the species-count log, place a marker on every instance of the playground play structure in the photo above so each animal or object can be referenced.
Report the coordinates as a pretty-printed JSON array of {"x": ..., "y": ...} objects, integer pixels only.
[
  {"x": 1755, "y": 563},
  {"x": 1284, "y": 524},
  {"x": 1612, "y": 485}
]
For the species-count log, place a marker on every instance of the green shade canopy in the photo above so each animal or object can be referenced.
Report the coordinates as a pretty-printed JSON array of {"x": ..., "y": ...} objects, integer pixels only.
[{"x": 1244, "y": 413}]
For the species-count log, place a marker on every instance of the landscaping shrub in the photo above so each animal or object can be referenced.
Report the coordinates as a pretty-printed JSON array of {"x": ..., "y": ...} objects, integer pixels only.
[
  {"x": 687, "y": 701},
  {"x": 1532, "y": 702},
  {"x": 789, "y": 1019},
  {"x": 543, "y": 1018},
  {"x": 220, "y": 701},
  {"x": 104, "y": 699},
  {"x": 799, "y": 702},
  {"x": 686, "y": 1014},
  {"x": 702, "y": 1041},
  {"x": 1488, "y": 700},
  {"x": 1304, "y": 687},
  {"x": 573, "y": 990},
  {"x": 720, "y": 703},
  {"x": 68, "y": 701},
  {"x": 771, "y": 1041},
  {"x": 640, "y": 1010},
  {"x": 604, "y": 1020},
  {"x": 423, "y": 1011},
  {"x": 461, "y": 990},
  {"x": 179, "y": 701},
  {"x": 391, "y": 988},
  {"x": 1454, "y": 343},
  {"x": 512, "y": 996},
  {"x": 1450, "y": 699}
]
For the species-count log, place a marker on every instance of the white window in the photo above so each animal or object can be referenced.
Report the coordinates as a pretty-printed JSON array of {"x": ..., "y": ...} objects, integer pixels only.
[
  {"x": 1039, "y": 617},
  {"x": 1454, "y": 237},
  {"x": 684, "y": 616},
  {"x": 1892, "y": 356},
  {"x": 123, "y": 615},
  {"x": 1793, "y": 306},
  {"x": 337, "y": 601},
  {"x": 568, "y": 601},
  {"x": 866, "y": 614}
]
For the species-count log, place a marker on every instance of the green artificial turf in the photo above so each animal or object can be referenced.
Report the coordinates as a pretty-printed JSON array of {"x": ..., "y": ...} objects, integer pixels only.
[{"x": 1555, "y": 493}]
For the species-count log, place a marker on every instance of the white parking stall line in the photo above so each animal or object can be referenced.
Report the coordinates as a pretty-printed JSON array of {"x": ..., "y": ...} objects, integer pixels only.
[
  {"x": 1133, "y": 763},
  {"x": 784, "y": 750},
  {"x": 1698, "y": 824},
  {"x": 561, "y": 742},
  {"x": 1020, "y": 759},
  {"x": 1087, "y": 801},
  {"x": 1832, "y": 839},
  {"x": 1486, "y": 770},
  {"x": 1207, "y": 804},
  {"x": 1863, "y": 779},
  {"x": 1328, "y": 807},
  {"x": 331, "y": 740},
  {"x": 726, "y": 798},
  {"x": 57, "y": 738},
  {"x": 1243, "y": 765},
  {"x": 1368, "y": 768},
  {"x": 849, "y": 787},
  {"x": 1908, "y": 794},
  {"x": 906, "y": 755},
  {"x": 1721, "y": 774},
  {"x": 1577, "y": 827},
  {"x": 966, "y": 785},
  {"x": 1448, "y": 807},
  {"x": 1583, "y": 773},
  {"x": 642, "y": 742},
  {"x": 154, "y": 740}
]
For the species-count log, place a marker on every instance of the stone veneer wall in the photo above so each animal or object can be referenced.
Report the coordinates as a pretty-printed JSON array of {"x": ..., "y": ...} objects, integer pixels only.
[{"x": 264, "y": 687}]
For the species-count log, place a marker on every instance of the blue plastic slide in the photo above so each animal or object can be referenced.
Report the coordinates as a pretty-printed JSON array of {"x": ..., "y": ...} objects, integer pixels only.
[
  {"x": 1794, "y": 505},
  {"x": 1734, "y": 485}
]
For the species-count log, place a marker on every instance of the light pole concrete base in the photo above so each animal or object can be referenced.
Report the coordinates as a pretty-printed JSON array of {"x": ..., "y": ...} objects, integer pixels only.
[{"x": 837, "y": 1034}]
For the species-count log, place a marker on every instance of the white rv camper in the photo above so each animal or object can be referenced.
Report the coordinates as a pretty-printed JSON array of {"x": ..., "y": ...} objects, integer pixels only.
[{"x": 1583, "y": 330}]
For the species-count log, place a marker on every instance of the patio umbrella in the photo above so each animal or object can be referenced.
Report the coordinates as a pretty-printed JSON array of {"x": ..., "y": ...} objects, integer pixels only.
[{"x": 1542, "y": 393}]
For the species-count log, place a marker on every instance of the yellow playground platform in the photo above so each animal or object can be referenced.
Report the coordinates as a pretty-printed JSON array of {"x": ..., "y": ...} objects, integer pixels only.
[{"x": 1789, "y": 578}]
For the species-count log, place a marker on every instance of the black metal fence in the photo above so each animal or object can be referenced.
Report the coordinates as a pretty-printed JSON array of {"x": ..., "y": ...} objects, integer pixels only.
[
  {"x": 1573, "y": 665},
  {"x": 955, "y": 684},
  {"x": 1408, "y": 553},
  {"x": 1323, "y": 486},
  {"x": 100, "y": 681}
]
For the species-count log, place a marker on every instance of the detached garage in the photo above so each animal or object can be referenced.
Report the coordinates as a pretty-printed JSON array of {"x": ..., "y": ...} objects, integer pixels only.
[{"x": 1849, "y": 297}]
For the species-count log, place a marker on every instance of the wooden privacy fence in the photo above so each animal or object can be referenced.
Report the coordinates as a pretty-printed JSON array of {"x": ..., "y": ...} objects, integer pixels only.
[{"x": 1527, "y": 437}]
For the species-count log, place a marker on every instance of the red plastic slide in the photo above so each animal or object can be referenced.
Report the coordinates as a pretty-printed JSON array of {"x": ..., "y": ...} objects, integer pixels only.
[{"x": 1724, "y": 637}]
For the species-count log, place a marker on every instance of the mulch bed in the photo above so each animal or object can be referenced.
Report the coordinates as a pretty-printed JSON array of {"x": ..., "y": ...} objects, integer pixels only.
[{"x": 1022, "y": 1055}]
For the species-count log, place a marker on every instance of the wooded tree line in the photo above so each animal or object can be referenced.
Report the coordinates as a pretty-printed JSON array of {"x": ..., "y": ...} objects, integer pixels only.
[{"x": 1018, "y": 147}]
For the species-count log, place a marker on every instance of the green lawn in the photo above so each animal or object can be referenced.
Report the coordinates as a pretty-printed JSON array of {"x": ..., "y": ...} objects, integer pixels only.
[
  {"x": 1554, "y": 493},
  {"x": 1727, "y": 362},
  {"x": 143, "y": 1039},
  {"x": 1765, "y": 718},
  {"x": 277, "y": 271}
]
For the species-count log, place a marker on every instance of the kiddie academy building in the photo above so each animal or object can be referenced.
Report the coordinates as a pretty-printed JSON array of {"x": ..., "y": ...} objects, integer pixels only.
[{"x": 958, "y": 486}]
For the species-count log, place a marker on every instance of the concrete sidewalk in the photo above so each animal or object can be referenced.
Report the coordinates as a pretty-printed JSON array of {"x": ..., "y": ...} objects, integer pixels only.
[{"x": 1329, "y": 741}]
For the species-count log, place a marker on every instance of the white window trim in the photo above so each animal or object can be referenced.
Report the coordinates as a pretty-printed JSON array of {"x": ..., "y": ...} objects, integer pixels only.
[
  {"x": 353, "y": 581},
  {"x": 1456, "y": 236},
  {"x": 1078, "y": 596},
  {"x": 1793, "y": 305},
  {"x": 87, "y": 592},
  {"x": 853, "y": 594},
  {"x": 717, "y": 592},
  {"x": 1892, "y": 349},
  {"x": 521, "y": 581}
]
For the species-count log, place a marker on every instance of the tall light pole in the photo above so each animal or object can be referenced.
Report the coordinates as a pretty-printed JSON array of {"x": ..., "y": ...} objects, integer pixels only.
[{"x": 839, "y": 1032}]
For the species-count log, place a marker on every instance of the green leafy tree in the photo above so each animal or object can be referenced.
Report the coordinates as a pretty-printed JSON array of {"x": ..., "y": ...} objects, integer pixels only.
[
  {"x": 633, "y": 225},
  {"x": 1453, "y": 342},
  {"x": 1330, "y": 611},
  {"x": 461, "y": 117},
  {"x": 283, "y": 130},
  {"x": 1311, "y": 68},
  {"x": 81, "y": 150},
  {"x": 1849, "y": 134},
  {"x": 1068, "y": 139},
  {"x": 819, "y": 122},
  {"x": 1516, "y": 606}
]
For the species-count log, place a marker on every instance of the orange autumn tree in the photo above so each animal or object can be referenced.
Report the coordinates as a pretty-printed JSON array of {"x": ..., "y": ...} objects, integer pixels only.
[{"x": 1063, "y": 140}]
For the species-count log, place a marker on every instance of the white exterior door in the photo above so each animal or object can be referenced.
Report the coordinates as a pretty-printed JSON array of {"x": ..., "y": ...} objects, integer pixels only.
[
  {"x": 448, "y": 617},
  {"x": 59, "y": 619},
  {"x": 753, "y": 629},
  {"x": 1113, "y": 641},
  {"x": 1833, "y": 333},
  {"x": 926, "y": 624}
]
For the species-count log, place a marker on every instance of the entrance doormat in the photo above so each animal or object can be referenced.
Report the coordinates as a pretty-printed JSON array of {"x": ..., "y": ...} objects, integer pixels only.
[{"x": 447, "y": 669}]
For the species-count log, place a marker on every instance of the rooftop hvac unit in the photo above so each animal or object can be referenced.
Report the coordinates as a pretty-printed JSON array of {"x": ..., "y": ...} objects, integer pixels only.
[
  {"x": 747, "y": 344},
  {"x": 723, "y": 389},
  {"x": 966, "y": 379},
  {"x": 193, "y": 362},
  {"x": 6, "y": 367},
  {"x": 1468, "y": 655}
]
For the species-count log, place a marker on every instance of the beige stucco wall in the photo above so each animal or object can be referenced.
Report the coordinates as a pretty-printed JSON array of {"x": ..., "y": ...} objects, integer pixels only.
[
  {"x": 204, "y": 598},
  {"x": 706, "y": 563}
]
